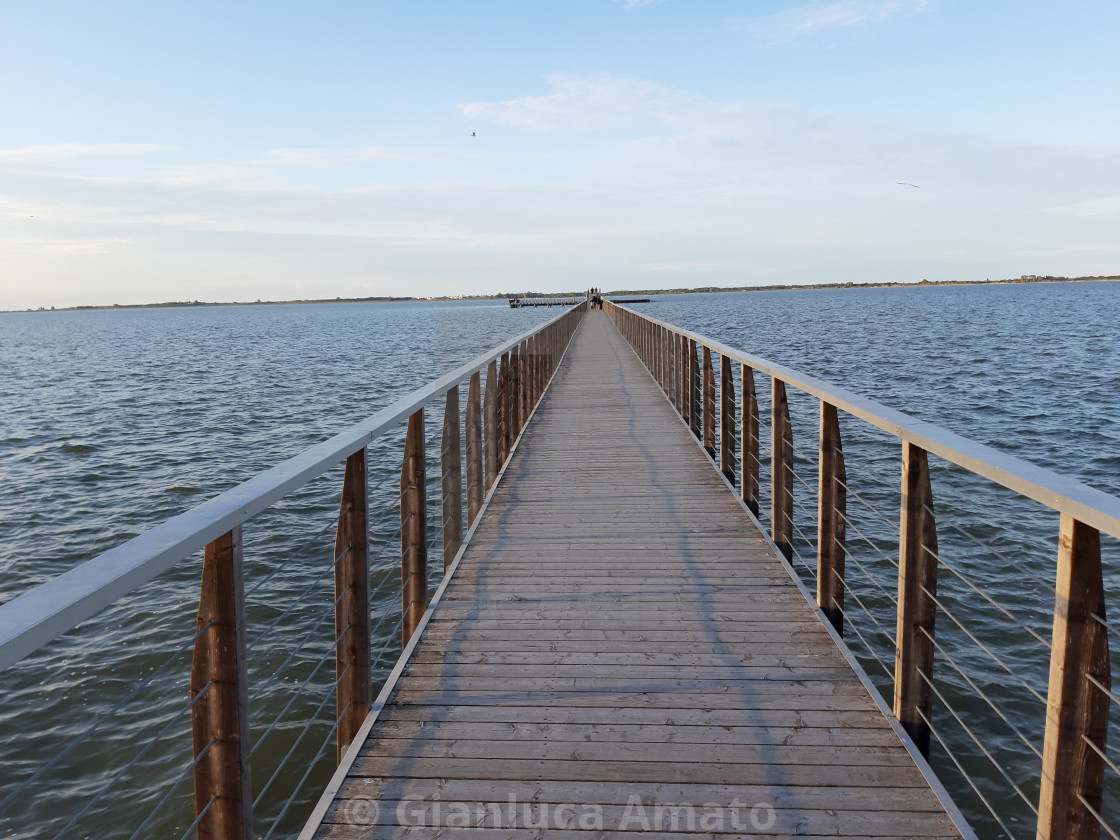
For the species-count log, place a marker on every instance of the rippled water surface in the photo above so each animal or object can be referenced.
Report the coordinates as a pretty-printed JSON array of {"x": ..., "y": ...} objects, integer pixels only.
[{"x": 113, "y": 421}]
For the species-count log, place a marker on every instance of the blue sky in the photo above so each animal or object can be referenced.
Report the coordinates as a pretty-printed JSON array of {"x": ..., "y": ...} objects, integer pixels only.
[{"x": 153, "y": 152}]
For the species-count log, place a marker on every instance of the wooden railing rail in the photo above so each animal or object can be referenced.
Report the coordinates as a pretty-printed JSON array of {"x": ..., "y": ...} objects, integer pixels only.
[
  {"x": 517, "y": 373},
  {"x": 1079, "y": 694}
]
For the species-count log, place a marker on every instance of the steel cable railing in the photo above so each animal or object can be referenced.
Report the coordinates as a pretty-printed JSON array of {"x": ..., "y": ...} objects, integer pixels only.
[
  {"x": 286, "y": 684},
  {"x": 987, "y": 637}
]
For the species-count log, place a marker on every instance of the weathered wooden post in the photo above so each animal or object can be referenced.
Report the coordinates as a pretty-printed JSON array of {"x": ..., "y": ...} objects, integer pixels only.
[
  {"x": 749, "y": 464},
  {"x": 351, "y": 605},
  {"x": 451, "y": 472},
  {"x": 219, "y": 692},
  {"x": 695, "y": 386},
  {"x": 523, "y": 386},
  {"x": 726, "y": 419},
  {"x": 709, "y": 400},
  {"x": 414, "y": 528},
  {"x": 503, "y": 423},
  {"x": 832, "y": 499},
  {"x": 781, "y": 469},
  {"x": 917, "y": 587},
  {"x": 490, "y": 427},
  {"x": 473, "y": 430},
  {"x": 1077, "y": 704}
]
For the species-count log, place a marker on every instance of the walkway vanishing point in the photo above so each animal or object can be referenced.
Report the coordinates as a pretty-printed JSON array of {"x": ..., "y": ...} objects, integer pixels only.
[{"x": 619, "y": 648}]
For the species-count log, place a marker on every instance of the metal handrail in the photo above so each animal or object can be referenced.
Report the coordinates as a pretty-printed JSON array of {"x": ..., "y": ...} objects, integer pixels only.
[
  {"x": 40, "y": 615},
  {"x": 1062, "y": 493}
]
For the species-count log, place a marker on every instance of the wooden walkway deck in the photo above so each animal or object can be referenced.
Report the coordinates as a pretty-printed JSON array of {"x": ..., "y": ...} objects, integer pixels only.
[{"x": 621, "y": 650}]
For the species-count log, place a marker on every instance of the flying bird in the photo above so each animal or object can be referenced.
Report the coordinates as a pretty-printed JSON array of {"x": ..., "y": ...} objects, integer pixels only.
[
  {"x": 904, "y": 184},
  {"x": 473, "y": 134}
]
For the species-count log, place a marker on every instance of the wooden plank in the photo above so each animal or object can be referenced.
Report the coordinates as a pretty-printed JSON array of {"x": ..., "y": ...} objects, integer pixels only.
[
  {"x": 1077, "y": 705},
  {"x": 619, "y": 623},
  {"x": 351, "y": 605},
  {"x": 219, "y": 694}
]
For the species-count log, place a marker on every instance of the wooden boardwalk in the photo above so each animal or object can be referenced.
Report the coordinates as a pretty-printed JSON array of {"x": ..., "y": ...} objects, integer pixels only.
[{"x": 621, "y": 650}]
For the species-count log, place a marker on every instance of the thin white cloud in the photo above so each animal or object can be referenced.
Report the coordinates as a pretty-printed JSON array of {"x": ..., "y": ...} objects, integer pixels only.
[
  {"x": 63, "y": 151},
  {"x": 368, "y": 154},
  {"x": 797, "y": 21},
  {"x": 585, "y": 102},
  {"x": 636, "y": 4}
]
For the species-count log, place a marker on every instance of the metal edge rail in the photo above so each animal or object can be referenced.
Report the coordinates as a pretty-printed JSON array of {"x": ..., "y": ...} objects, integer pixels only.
[
  {"x": 40, "y": 615},
  {"x": 1062, "y": 493}
]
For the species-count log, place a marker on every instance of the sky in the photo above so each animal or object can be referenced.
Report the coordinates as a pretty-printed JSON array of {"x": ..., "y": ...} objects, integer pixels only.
[{"x": 241, "y": 151}]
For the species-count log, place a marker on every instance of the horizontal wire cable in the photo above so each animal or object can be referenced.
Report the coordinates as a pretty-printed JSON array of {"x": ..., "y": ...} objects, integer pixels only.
[
  {"x": 971, "y": 783},
  {"x": 299, "y": 550},
  {"x": 1111, "y": 764},
  {"x": 882, "y": 589},
  {"x": 310, "y": 766},
  {"x": 171, "y": 790},
  {"x": 306, "y": 727},
  {"x": 984, "y": 647},
  {"x": 135, "y": 759},
  {"x": 198, "y": 819},
  {"x": 849, "y": 623},
  {"x": 1018, "y": 621},
  {"x": 93, "y": 727},
  {"x": 883, "y": 518},
  {"x": 1026, "y": 799},
  {"x": 1022, "y": 625},
  {"x": 980, "y": 693},
  {"x": 1105, "y": 689},
  {"x": 867, "y": 539},
  {"x": 1100, "y": 820},
  {"x": 878, "y": 624}
]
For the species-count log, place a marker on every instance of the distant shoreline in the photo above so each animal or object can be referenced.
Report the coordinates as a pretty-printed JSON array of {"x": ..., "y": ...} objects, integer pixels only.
[{"x": 615, "y": 292}]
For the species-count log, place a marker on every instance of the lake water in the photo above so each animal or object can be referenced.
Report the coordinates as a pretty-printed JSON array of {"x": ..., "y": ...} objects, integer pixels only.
[{"x": 113, "y": 421}]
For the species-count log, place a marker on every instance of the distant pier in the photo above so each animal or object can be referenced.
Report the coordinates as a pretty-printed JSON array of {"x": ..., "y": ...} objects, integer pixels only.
[{"x": 517, "y": 303}]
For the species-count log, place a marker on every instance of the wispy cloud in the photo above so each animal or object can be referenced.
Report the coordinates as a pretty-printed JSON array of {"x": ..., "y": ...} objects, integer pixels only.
[
  {"x": 367, "y": 154},
  {"x": 585, "y": 102},
  {"x": 64, "y": 151},
  {"x": 634, "y": 4},
  {"x": 798, "y": 21}
]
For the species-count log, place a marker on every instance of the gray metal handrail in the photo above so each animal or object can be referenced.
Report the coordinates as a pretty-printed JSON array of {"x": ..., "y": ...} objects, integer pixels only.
[
  {"x": 40, "y": 615},
  {"x": 1060, "y": 492}
]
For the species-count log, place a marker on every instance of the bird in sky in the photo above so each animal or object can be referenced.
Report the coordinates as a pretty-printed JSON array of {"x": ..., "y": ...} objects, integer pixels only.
[
  {"x": 473, "y": 134},
  {"x": 904, "y": 184}
]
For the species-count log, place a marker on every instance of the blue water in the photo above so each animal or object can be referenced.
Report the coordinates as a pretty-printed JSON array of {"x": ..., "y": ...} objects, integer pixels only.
[{"x": 113, "y": 421}]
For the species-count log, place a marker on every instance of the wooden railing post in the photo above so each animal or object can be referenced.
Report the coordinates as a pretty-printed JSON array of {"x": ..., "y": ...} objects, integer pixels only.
[
  {"x": 473, "y": 429},
  {"x": 218, "y": 686},
  {"x": 683, "y": 369},
  {"x": 414, "y": 528},
  {"x": 748, "y": 470},
  {"x": 781, "y": 469},
  {"x": 451, "y": 471},
  {"x": 726, "y": 419},
  {"x": 832, "y": 499},
  {"x": 351, "y": 605},
  {"x": 695, "y": 387},
  {"x": 917, "y": 587},
  {"x": 490, "y": 426},
  {"x": 709, "y": 400},
  {"x": 1076, "y": 708},
  {"x": 523, "y": 386},
  {"x": 504, "y": 410}
]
